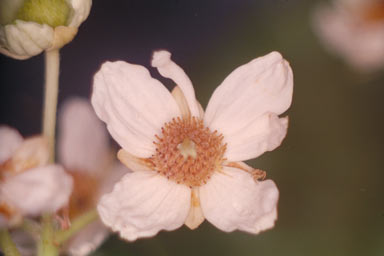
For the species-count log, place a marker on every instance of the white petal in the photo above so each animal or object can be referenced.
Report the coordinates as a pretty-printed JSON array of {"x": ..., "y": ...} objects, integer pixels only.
[
  {"x": 27, "y": 38},
  {"x": 112, "y": 176},
  {"x": 88, "y": 239},
  {"x": 40, "y": 35},
  {"x": 81, "y": 9},
  {"x": 10, "y": 140},
  {"x": 6, "y": 52},
  {"x": 169, "y": 69},
  {"x": 233, "y": 200},
  {"x": 83, "y": 139},
  {"x": 32, "y": 152},
  {"x": 263, "y": 134},
  {"x": 143, "y": 203},
  {"x": 263, "y": 85},
  {"x": 38, "y": 190},
  {"x": 133, "y": 104}
]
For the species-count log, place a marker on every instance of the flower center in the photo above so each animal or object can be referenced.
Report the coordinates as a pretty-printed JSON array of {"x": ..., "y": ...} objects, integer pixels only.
[{"x": 188, "y": 152}]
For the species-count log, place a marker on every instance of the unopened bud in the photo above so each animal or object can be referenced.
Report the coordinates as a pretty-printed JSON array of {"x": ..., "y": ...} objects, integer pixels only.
[
  {"x": 51, "y": 12},
  {"x": 28, "y": 27}
]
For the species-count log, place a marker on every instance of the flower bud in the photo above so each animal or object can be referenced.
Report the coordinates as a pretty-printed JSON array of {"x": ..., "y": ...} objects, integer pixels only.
[
  {"x": 51, "y": 12},
  {"x": 28, "y": 27}
]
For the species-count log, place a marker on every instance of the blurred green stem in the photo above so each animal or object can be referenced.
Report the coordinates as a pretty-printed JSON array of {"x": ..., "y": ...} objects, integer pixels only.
[
  {"x": 78, "y": 224},
  {"x": 52, "y": 66},
  {"x": 7, "y": 245},
  {"x": 47, "y": 246}
]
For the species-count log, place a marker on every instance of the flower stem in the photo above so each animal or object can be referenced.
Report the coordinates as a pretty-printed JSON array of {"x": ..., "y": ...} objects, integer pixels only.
[
  {"x": 47, "y": 246},
  {"x": 52, "y": 65},
  {"x": 7, "y": 245},
  {"x": 76, "y": 225}
]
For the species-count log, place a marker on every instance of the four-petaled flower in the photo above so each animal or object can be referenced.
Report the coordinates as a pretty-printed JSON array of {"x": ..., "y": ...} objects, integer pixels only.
[{"x": 188, "y": 164}]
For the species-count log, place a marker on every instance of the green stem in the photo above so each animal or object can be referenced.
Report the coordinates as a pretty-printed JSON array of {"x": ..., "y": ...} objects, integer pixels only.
[
  {"x": 47, "y": 246},
  {"x": 7, "y": 245},
  {"x": 52, "y": 66},
  {"x": 78, "y": 224}
]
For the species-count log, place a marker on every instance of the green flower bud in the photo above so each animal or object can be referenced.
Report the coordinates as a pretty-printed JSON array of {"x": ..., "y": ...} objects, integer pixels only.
[
  {"x": 28, "y": 27},
  {"x": 51, "y": 12}
]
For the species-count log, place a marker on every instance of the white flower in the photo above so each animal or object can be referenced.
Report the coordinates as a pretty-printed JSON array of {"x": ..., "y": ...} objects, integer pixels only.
[
  {"x": 187, "y": 163},
  {"x": 85, "y": 153},
  {"x": 22, "y": 39},
  {"x": 354, "y": 30},
  {"x": 29, "y": 185}
]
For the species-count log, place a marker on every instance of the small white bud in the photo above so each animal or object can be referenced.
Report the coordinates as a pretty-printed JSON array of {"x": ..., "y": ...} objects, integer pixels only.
[{"x": 31, "y": 26}]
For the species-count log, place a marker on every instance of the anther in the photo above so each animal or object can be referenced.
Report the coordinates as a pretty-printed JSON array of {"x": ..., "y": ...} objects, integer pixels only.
[{"x": 188, "y": 152}]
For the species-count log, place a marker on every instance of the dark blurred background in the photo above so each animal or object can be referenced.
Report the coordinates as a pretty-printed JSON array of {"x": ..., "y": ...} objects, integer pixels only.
[{"x": 329, "y": 168}]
